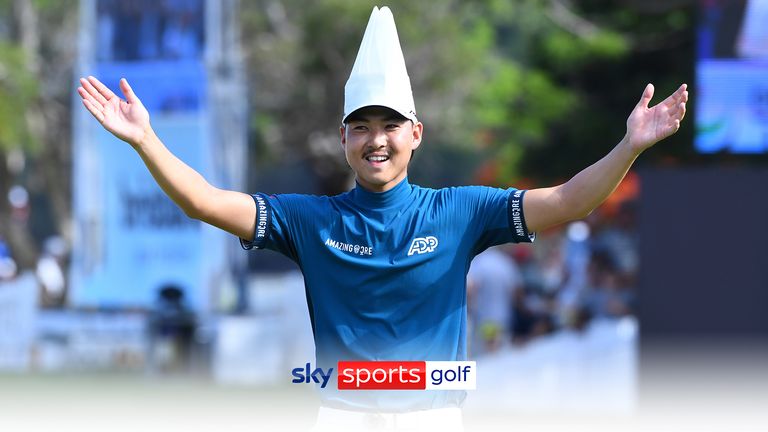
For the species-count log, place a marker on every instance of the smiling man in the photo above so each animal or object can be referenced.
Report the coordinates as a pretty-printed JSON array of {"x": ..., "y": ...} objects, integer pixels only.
[
  {"x": 379, "y": 143},
  {"x": 384, "y": 264}
]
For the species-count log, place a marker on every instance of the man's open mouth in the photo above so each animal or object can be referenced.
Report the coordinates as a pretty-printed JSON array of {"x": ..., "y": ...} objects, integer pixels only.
[{"x": 377, "y": 158}]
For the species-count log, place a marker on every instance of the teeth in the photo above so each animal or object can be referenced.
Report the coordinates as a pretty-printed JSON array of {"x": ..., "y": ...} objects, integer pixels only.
[{"x": 377, "y": 158}]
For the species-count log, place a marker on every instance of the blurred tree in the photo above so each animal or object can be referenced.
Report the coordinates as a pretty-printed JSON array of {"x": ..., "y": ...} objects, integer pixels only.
[
  {"x": 37, "y": 48},
  {"x": 539, "y": 88},
  {"x": 300, "y": 55},
  {"x": 605, "y": 52}
]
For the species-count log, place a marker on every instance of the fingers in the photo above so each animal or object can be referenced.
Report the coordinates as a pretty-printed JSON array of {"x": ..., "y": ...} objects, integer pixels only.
[
  {"x": 676, "y": 113},
  {"x": 93, "y": 92},
  {"x": 645, "y": 99},
  {"x": 681, "y": 94},
  {"x": 676, "y": 117},
  {"x": 677, "y": 102},
  {"x": 682, "y": 100},
  {"x": 87, "y": 96},
  {"x": 96, "y": 112},
  {"x": 101, "y": 94},
  {"x": 682, "y": 111},
  {"x": 673, "y": 101},
  {"x": 102, "y": 89},
  {"x": 93, "y": 101},
  {"x": 130, "y": 96},
  {"x": 95, "y": 108}
]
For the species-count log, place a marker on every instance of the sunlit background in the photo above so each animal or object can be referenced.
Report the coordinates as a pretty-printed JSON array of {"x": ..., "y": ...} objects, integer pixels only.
[{"x": 119, "y": 313}]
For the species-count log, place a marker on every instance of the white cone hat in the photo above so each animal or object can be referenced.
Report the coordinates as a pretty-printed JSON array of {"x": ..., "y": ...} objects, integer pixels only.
[{"x": 379, "y": 76}]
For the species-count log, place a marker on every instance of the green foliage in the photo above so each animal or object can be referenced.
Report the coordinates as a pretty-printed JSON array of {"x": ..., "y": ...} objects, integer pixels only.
[
  {"x": 567, "y": 52},
  {"x": 510, "y": 81},
  {"x": 19, "y": 87},
  {"x": 17, "y": 91}
]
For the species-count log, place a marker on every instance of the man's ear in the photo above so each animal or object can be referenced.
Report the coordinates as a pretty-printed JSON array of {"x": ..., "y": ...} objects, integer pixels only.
[
  {"x": 418, "y": 131},
  {"x": 342, "y": 130}
]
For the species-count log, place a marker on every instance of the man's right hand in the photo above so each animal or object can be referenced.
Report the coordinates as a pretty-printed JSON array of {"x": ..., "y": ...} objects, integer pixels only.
[{"x": 126, "y": 119}]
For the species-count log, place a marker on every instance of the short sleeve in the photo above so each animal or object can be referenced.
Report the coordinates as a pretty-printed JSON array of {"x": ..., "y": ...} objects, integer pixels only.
[
  {"x": 276, "y": 223},
  {"x": 516, "y": 217},
  {"x": 263, "y": 224},
  {"x": 494, "y": 215}
]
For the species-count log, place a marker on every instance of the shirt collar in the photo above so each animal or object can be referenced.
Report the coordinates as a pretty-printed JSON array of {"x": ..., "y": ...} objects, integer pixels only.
[{"x": 378, "y": 200}]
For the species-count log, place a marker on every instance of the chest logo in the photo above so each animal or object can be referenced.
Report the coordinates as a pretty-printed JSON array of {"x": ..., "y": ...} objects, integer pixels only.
[
  {"x": 423, "y": 245},
  {"x": 350, "y": 248}
]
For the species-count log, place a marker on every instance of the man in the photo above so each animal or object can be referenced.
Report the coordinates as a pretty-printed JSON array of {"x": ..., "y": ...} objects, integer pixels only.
[
  {"x": 384, "y": 264},
  {"x": 492, "y": 281}
]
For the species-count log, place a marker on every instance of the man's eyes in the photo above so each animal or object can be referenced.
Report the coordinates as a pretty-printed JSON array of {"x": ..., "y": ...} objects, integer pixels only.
[{"x": 363, "y": 128}]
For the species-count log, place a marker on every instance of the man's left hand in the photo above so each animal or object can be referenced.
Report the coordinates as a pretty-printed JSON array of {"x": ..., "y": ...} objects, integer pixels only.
[{"x": 647, "y": 126}]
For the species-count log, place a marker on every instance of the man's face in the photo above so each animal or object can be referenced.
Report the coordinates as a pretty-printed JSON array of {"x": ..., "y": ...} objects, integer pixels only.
[{"x": 378, "y": 143}]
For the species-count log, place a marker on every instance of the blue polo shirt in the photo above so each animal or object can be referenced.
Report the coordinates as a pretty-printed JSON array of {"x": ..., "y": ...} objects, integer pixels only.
[{"x": 385, "y": 273}]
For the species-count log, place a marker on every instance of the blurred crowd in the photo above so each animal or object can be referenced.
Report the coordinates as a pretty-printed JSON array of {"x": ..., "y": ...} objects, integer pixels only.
[
  {"x": 46, "y": 259},
  {"x": 572, "y": 275},
  {"x": 50, "y": 270},
  {"x": 516, "y": 292},
  {"x": 167, "y": 29}
]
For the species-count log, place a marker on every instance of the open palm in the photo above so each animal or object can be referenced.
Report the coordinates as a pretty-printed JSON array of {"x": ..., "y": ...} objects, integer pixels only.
[
  {"x": 647, "y": 126},
  {"x": 126, "y": 119}
]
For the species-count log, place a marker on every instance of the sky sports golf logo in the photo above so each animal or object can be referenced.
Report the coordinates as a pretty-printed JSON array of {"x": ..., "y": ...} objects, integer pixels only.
[
  {"x": 307, "y": 375},
  {"x": 394, "y": 375}
]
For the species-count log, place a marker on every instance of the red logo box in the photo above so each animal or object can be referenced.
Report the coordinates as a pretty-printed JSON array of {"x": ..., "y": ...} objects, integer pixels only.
[{"x": 382, "y": 375}]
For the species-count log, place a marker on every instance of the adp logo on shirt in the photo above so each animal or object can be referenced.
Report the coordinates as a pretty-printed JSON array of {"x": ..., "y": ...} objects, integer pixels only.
[{"x": 422, "y": 245}]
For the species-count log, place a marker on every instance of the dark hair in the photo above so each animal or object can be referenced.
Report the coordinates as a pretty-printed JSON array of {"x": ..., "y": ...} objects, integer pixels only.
[{"x": 359, "y": 113}]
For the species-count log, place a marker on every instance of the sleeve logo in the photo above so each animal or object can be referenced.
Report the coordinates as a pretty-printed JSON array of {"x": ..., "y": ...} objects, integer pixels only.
[
  {"x": 516, "y": 217},
  {"x": 262, "y": 217},
  {"x": 263, "y": 224},
  {"x": 421, "y": 245}
]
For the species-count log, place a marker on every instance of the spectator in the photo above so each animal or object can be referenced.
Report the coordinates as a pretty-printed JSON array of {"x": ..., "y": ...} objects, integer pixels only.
[
  {"x": 50, "y": 271},
  {"x": 105, "y": 23},
  {"x": 150, "y": 30},
  {"x": 532, "y": 316},
  {"x": 605, "y": 296},
  {"x": 492, "y": 279},
  {"x": 180, "y": 39},
  {"x": 7, "y": 263}
]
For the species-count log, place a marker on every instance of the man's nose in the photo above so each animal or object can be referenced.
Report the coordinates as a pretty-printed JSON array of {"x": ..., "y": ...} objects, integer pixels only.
[{"x": 379, "y": 138}]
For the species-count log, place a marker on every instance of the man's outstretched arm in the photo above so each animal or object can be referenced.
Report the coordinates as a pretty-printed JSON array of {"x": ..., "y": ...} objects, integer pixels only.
[
  {"x": 577, "y": 198},
  {"x": 128, "y": 120}
]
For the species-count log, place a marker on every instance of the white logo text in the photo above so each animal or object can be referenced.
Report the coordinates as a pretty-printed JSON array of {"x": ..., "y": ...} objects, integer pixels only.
[
  {"x": 422, "y": 245},
  {"x": 346, "y": 247}
]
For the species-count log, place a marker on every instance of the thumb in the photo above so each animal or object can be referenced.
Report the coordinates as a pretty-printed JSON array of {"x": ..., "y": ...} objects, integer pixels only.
[
  {"x": 645, "y": 99},
  {"x": 130, "y": 96}
]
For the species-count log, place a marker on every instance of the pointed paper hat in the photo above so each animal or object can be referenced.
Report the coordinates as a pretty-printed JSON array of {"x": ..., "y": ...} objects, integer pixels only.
[{"x": 379, "y": 76}]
